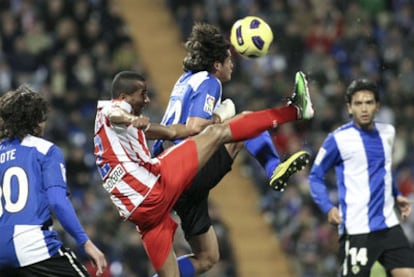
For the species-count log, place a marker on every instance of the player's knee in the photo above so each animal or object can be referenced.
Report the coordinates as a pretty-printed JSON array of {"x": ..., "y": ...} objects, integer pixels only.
[
  {"x": 215, "y": 132},
  {"x": 402, "y": 272},
  {"x": 214, "y": 258},
  {"x": 234, "y": 148},
  {"x": 208, "y": 260}
]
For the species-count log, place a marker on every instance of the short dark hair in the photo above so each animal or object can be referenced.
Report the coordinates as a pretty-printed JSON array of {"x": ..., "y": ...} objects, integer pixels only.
[
  {"x": 125, "y": 82},
  {"x": 205, "y": 46},
  {"x": 21, "y": 112},
  {"x": 361, "y": 84}
]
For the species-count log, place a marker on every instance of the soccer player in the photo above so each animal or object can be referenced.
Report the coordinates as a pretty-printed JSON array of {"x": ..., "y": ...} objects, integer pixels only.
[
  {"x": 197, "y": 95},
  {"x": 361, "y": 153},
  {"x": 32, "y": 184},
  {"x": 195, "y": 102},
  {"x": 145, "y": 189}
]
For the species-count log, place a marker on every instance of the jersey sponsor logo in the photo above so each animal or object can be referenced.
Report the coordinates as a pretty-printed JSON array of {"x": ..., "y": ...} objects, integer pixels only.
[
  {"x": 209, "y": 104},
  {"x": 114, "y": 178}
]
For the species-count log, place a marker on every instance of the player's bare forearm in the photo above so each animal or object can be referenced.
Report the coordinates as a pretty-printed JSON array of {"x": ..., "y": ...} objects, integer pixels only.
[
  {"x": 198, "y": 124},
  {"x": 120, "y": 116},
  {"x": 178, "y": 131},
  {"x": 172, "y": 132}
]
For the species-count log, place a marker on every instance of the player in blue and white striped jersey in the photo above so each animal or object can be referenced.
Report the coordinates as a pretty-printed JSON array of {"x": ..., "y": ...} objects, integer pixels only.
[
  {"x": 32, "y": 184},
  {"x": 361, "y": 153}
]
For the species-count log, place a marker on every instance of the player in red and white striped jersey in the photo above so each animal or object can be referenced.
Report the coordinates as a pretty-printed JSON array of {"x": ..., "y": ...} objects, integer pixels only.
[
  {"x": 145, "y": 189},
  {"x": 120, "y": 150}
]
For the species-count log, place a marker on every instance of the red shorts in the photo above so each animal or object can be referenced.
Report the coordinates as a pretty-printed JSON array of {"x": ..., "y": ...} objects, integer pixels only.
[{"x": 179, "y": 165}]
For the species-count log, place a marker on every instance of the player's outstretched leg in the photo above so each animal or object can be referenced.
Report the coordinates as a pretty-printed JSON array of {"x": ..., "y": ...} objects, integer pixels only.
[
  {"x": 262, "y": 148},
  {"x": 301, "y": 98},
  {"x": 296, "y": 162},
  {"x": 251, "y": 124}
]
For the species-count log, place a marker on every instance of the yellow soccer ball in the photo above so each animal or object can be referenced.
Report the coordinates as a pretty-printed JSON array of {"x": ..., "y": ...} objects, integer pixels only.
[{"x": 251, "y": 37}]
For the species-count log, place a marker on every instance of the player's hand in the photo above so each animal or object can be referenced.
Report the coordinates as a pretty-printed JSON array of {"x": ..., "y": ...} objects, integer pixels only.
[
  {"x": 98, "y": 258},
  {"x": 334, "y": 217},
  {"x": 226, "y": 110},
  {"x": 140, "y": 122},
  {"x": 404, "y": 205}
]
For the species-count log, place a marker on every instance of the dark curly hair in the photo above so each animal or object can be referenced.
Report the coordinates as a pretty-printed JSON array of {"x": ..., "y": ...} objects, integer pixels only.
[
  {"x": 205, "y": 46},
  {"x": 21, "y": 112}
]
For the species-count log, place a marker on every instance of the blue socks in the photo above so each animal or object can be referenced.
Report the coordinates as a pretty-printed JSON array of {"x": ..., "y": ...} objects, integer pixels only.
[
  {"x": 263, "y": 149},
  {"x": 185, "y": 266}
]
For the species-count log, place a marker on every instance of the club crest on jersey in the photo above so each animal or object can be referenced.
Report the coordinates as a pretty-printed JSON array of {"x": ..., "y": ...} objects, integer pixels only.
[
  {"x": 114, "y": 178},
  {"x": 209, "y": 104}
]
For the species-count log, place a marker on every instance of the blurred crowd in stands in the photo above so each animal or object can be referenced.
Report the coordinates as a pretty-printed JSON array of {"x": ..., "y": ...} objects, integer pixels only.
[{"x": 70, "y": 50}]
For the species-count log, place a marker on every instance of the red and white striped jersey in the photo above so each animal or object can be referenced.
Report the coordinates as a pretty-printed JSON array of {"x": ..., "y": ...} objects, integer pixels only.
[{"x": 123, "y": 159}]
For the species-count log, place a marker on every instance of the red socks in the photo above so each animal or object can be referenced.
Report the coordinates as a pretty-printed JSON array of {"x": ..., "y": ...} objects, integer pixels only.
[{"x": 252, "y": 124}]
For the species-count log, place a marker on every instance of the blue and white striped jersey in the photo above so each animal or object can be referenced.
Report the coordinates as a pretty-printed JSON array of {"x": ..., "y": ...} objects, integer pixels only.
[
  {"x": 366, "y": 187},
  {"x": 27, "y": 169},
  {"x": 194, "y": 95}
]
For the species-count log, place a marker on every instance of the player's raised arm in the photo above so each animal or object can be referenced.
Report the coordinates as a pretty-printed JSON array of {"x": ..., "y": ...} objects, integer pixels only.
[
  {"x": 172, "y": 132},
  {"x": 118, "y": 115}
]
